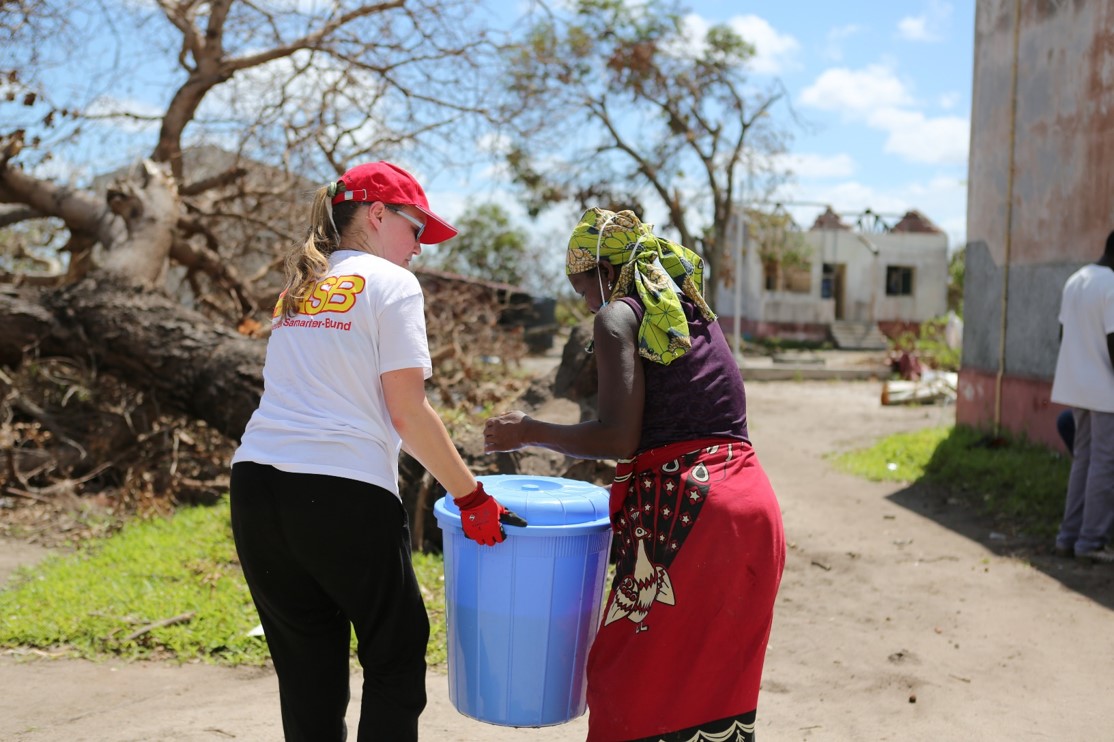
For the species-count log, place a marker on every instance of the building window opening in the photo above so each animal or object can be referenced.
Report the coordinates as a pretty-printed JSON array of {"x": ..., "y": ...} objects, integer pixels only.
[
  {"x": 899, "y": 280},
  {"x": 827, "y": 281},
  {"x": 796, "y": 279}
]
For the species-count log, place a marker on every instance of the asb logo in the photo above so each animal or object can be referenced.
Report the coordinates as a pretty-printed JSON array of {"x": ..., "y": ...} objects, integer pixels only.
[{"x": 331, "y": 294}]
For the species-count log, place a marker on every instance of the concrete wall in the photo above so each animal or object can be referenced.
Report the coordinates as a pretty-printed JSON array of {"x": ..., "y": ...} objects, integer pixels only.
[
  {"x": 1062, "y": 134},
  {"x": 794, "y": 308},
  {"x": 863, "y": 277},
  {"x": 865, "y": 259},
  {"x": 868, "y": 256}
]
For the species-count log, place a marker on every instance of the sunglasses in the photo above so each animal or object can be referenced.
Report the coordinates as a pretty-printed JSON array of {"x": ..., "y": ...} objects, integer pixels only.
[{"x": 412, "y": 220}]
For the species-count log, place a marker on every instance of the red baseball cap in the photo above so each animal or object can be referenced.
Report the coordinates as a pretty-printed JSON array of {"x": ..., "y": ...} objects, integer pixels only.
[{"x": 382, "y": 181}]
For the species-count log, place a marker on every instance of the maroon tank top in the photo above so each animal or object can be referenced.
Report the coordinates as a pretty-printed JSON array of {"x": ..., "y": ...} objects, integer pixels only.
[{"x": 699, "y": 395}]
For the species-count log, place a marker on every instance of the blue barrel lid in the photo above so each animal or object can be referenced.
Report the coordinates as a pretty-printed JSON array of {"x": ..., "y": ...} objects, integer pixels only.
[{"x": 545, "y": 502}]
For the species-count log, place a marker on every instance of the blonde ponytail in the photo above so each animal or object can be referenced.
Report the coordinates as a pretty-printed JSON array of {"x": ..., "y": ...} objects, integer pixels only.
[{"x": 308, "y": 262}]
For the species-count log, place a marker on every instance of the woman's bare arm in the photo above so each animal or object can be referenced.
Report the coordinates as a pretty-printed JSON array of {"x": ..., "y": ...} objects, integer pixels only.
[
  {"x": 422, "y": 432},
  {"x": 620, "y": 402}
]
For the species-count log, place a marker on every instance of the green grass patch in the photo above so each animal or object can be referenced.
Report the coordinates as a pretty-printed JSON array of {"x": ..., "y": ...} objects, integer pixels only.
[
  {"x": 773, "y": 345},
  {"x": 430, "y": 569},
  {"x": 97, "y": 600},
  {"x": 898, "y": 458},
  {"x": 1019, "y": 485},
  {"x": 162, "y": 587}
]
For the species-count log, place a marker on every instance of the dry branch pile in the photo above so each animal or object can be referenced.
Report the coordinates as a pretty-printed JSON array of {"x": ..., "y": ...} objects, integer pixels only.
[
  {"x": 476, "y": 360},
  {"x": 83, "y": 452}
]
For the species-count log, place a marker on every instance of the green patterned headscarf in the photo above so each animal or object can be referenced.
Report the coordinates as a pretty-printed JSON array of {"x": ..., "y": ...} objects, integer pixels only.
[{"x": 653, "y": 268}]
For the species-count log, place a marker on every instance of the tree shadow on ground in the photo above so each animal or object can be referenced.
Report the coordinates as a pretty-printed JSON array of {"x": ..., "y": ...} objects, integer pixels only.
[{"x": 1095, "y": 581}]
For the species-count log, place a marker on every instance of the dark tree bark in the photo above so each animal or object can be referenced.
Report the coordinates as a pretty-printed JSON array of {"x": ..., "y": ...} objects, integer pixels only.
[{"x": 146, "y": 340}]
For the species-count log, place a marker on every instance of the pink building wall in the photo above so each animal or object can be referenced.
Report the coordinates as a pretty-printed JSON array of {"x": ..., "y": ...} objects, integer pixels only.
[{"x": 1040, "y": 197}]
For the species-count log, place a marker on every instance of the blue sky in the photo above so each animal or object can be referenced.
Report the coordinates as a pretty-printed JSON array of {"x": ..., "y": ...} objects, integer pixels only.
[
  {"x": 885, "y": 88},
  {"x": 883, "y": 94}
]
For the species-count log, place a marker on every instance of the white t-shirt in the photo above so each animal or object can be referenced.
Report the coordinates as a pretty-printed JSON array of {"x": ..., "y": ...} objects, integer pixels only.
[
  {"x": 1084, "y": 375},
  {"x": 323, "y": 410}
]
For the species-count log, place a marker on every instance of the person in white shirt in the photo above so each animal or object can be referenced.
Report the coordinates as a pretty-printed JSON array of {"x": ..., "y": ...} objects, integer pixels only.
[
  {"x": 319, "y": 526},
  {"x": 1084, "y": 381}
]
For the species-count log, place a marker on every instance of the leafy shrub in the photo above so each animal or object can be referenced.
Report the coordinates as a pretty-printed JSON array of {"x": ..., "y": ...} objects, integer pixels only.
[{"x": 930, "y": 346}]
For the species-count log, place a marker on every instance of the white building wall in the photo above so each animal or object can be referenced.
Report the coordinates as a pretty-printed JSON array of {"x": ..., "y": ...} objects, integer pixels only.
[
  {"x": 796, "y": 308},
  {"x": 865, "y": 258},
  {"x": 927, "y": 254},
  {"x": 741, "y": 294},
  {"x": 860, "y": 280}
]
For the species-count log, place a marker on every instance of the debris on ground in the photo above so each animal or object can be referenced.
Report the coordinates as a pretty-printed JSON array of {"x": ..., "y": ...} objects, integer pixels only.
[{"x": 931, "y": 387}]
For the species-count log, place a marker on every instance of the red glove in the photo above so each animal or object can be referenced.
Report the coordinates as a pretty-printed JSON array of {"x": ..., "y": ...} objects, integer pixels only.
[{"x": 481, "y": 517}]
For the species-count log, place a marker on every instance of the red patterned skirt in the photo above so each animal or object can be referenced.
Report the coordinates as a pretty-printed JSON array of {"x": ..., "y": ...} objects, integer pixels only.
[{"x": 700, "y": 550}]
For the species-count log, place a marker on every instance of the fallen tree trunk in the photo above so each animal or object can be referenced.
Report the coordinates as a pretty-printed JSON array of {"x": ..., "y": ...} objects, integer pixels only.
[
  {"x": 145, "y": 339},
  {"x": 174, "y": 359}
]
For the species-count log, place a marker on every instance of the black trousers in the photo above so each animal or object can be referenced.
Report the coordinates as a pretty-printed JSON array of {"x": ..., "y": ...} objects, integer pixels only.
[{"x": 321, "y": 555}]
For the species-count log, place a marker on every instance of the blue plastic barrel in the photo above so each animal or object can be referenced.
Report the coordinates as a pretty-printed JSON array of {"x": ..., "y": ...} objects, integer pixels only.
[{"x": 522, "y": 614}]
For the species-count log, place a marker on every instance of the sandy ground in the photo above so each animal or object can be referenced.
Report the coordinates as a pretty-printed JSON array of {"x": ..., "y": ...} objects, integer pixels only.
[{"x": 898, "y": 619}]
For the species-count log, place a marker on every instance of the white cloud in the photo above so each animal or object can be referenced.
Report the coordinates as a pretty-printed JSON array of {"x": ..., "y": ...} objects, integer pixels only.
[
  {"x": 8, "y": 87},
  {"x": 835, "y": 38},
  {"x": 856, "y": 91},
  {"x": 929, "y": 26},
  {"x": 947, "y": 101},
  {"x": 914, "y": 28},
  {"x": 939, "y": 184},
  {"x": 304, "y": 6},
  {"x": 254, "y": 88},
  {"x": 63, "y": 170},
  {"x": 875, "y": 96},
  {"x": 853, "y": 197},
  {"x": 810, "y": 166},
  {"x": 942, "y": 199},
  {"x": 956, "y": 229},
  {"x": 917, "y": 138},
  {"x": 128, "y": 115},
  {"x": 449, "y": 204},
  {"x": 774, "y": 51}
]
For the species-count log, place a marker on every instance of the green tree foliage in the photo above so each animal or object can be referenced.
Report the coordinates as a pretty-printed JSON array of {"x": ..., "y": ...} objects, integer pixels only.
[
  {"x": 627, "y": 105},
  {"x": 957, "y": 271},
  {"x": 489, "y": 246},
  {"x": 930, "y": 344}
]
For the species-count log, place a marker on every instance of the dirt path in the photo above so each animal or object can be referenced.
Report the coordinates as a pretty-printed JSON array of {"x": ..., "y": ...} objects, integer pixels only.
[
  {"x": 891, "y": 626},
  {"x": 897, "y": 620}
]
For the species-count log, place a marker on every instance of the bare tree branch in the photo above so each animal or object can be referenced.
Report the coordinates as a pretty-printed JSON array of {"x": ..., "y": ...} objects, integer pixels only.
[
  {"x": 219, "y": 180},
  {"x": 670, "y": 113},
  {"x": 356, "y": 79},
  {"x": 208, "y": 261},
  {"x": 312, "y": 40},
  {"x": 15, "y": 214},
  {"x": 180, "y": 16},
  {"x": 80, "y": 210}
]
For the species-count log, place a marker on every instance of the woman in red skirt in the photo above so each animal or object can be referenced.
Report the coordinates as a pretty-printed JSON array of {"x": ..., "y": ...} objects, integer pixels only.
[{"x": 698, "y": 532}]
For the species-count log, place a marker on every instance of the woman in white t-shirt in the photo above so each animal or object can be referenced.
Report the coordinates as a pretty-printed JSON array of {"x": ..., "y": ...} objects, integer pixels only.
[{"x": 320, "y": 529}]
